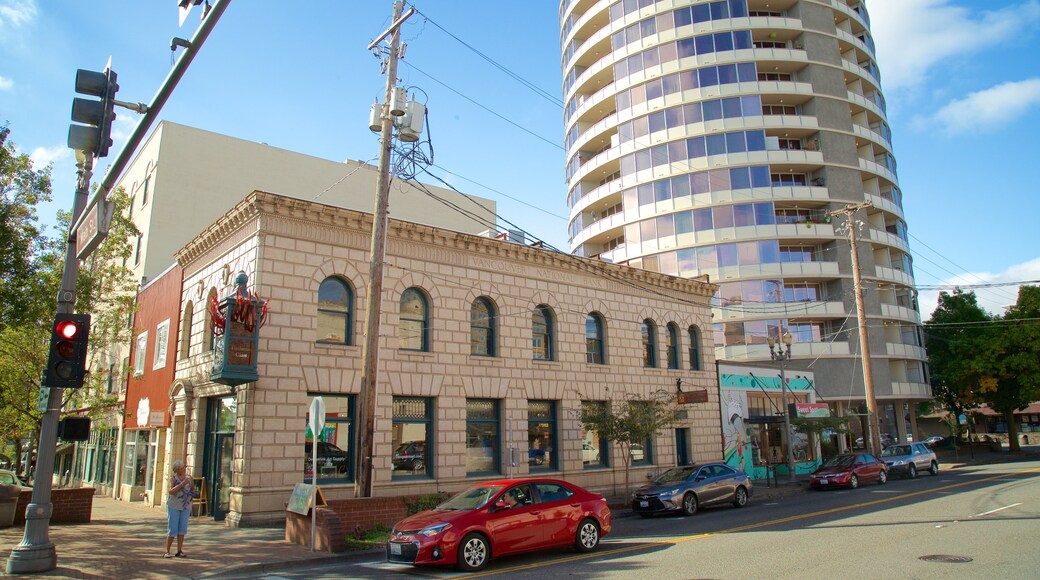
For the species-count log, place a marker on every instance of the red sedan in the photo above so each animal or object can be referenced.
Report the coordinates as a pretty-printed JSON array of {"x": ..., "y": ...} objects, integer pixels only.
[
  {"x": 501, "y": 517},
  {"x": 849, "y": 470}
]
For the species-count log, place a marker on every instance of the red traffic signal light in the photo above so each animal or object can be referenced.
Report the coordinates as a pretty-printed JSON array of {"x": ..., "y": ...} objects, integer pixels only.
[{"x": 66, "y": 365}]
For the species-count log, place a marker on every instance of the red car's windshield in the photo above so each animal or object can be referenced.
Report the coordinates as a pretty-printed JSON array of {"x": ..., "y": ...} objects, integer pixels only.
[
  {"x": 839, "y": 461},
  {"x": 471, "y": 499}
]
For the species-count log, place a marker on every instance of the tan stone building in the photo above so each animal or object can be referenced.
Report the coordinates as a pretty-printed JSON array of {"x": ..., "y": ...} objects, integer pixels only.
[{"x": 488, "y": 351}]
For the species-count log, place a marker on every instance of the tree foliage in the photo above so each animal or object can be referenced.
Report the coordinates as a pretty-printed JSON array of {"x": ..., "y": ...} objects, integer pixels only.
[
  {"x": 953, "y": 335},
  {"x": 31, "y": 266},
  {"x": 976, "y": 358},
  {"x": 23, "y": 277},
  {"x": 631, "y": 421}
]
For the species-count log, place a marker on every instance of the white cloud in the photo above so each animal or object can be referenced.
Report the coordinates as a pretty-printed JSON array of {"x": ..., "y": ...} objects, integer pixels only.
[
  {"x": 16, "y": 13},
  {"x": 6, "y": 84},
  {"x": 990, "y": 108},
  {"x": 915, "y": 36},
  {"x": 43, "y": 156},
  {"x": 993, "y": 300}
]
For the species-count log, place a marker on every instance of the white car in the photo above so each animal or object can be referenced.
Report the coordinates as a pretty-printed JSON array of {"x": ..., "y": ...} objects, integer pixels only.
[{"x": 8, "y": 477}]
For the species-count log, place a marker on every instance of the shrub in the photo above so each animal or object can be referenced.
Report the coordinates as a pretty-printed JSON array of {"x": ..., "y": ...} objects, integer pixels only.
[{"x": 425, "y": 502}]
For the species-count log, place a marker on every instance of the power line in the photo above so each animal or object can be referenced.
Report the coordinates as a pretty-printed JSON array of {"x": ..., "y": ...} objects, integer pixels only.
[
  {"x": 534, "y": 88},
  {"x": 500, "y": 116}
]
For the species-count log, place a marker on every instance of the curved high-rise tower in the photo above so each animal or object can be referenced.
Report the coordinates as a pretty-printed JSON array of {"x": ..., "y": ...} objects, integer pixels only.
[{"x": 713, "y": 137}]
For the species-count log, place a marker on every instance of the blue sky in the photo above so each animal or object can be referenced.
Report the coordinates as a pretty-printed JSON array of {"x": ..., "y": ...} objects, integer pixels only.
[{"x": 961, "y": 77}]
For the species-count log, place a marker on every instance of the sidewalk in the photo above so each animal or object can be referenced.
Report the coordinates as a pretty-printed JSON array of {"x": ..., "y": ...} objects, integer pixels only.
[{"x": 127, "y": 540}]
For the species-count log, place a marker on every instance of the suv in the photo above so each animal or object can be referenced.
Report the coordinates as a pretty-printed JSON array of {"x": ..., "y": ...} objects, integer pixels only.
[
  {"x": 910, "y": 458},
  {"x": 410, "y": 456}
]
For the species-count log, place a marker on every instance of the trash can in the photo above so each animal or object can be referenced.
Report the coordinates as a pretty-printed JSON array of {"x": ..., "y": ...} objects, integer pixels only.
[{"x": 8, "y": 504}]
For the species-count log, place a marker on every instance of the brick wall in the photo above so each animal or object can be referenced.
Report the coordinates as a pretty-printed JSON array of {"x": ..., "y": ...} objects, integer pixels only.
[
  {"x": 71, "y": 506},
  {"x": 343, "y": 518}
]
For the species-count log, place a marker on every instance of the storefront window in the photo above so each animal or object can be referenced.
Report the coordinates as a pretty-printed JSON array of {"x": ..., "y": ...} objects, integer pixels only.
[
  {"x": 138, "y": 457},
  {"x": 482, "y": 445},
  {"x": 594, "y": 450},
  {"x": 410, "y": 436},
  {"x": 541, "y": 435},
  {"x": 335, "y": 442}
]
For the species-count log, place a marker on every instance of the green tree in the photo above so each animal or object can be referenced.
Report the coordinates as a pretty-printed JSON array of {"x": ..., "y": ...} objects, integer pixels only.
[
  {"x": 107, "y": 290},
  {"x": 28, "y": 286},
  {"x": 22, "y": 242},
  {"x": 954, "y": 336},
  {"x": 632, "y": 421},
  {"x": 1011, "y": 358}
]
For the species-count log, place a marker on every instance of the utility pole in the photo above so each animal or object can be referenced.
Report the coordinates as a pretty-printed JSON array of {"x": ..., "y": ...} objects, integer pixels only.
[
  {"x": 370, "y": 372},
  {"x": 782, "y": 355},
  {"x": 36, "y": 552},
  {"x": 864, "y": 344}
]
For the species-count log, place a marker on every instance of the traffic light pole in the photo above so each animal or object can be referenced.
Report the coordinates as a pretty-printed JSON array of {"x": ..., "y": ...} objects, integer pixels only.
[{"x": 36, "y": 552}]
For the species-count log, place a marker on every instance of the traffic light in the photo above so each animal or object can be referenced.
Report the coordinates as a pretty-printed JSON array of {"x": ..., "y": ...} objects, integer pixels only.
[
  {"x": 94, "y": 136},
  {"x": 66, "y": 365},
  {"x": 74, "y": 429}
]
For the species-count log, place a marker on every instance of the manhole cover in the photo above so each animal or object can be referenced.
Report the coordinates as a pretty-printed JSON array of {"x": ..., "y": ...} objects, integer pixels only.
[{"x": 945, "y": 558}]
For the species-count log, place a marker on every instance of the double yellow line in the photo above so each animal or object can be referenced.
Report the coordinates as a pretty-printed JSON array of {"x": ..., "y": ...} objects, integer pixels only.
[{"x": 682, "y": 539}]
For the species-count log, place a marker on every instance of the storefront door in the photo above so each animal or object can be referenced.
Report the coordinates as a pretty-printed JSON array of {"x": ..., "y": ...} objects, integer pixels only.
[
  {"x": 682, "y": 449},
  {"x": 220, "y": 452}
]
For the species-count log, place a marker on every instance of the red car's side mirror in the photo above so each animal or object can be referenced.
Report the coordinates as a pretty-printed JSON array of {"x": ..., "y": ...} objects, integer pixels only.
[{"x": 500, "y": 505}]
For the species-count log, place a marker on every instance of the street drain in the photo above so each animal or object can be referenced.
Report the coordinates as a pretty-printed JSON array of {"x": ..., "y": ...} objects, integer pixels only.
[{"x": 946, "y": 558}]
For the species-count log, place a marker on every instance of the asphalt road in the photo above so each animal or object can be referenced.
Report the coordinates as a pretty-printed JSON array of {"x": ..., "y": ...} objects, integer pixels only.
[{"x": 984, "y": 515}]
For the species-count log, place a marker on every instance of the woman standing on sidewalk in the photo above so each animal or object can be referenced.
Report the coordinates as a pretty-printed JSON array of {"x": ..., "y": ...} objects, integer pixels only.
[{"x": 178, "y": 508}]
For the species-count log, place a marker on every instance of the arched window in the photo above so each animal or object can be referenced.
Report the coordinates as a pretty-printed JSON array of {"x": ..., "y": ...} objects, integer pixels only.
[
  {"x": 210, "y": 341},
  {"x": 189, "y": 313},
  {"x": 673, "y": 345},
  {"x": 335, "y": 311},
  {"x": 542, "y": 333},
  {"x": 414, "y": 326},
  {"x": 695, "y": 349},
  {"x": 595, "y": 342},
  {"x": 482, "y": 327},
  {"x": 649, "y": 344}
]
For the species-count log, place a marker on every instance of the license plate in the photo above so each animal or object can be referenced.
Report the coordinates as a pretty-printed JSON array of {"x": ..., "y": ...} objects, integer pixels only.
[
  {"x": 823, "y": 482},
  {"x": 644, "y": 504},
  {"x": 395, "y": 549}
]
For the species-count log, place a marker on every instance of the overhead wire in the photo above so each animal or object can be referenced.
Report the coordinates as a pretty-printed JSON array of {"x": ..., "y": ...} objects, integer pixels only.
[{"x": 530, "y": 85}]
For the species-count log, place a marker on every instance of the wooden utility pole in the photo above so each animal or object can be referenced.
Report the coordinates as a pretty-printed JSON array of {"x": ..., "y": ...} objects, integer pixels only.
[
  {"x": 377, "y": 253},
  {"x": 864, "y": 344}
]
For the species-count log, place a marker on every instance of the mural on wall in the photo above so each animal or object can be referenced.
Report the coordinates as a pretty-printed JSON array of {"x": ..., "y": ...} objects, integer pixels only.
[
  {"x": 734, "y": 431},
  {"x": 746, "y": 445}
]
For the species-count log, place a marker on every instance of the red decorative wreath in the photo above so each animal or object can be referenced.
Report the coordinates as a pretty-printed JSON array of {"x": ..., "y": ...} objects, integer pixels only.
[{"x": 245, "y": 311}]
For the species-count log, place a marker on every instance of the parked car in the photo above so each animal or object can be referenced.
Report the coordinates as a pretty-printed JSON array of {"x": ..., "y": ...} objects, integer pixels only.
[
  {"x": 886, "y": 440},
  {"x": 410, "y": 456},
  {"x": 636, "y": 452},
  {"x": 498, "y": 518},
  {"x": 688, "y": 488},
  {"x": 8, "y": 477},
  {"x": 933, "y": 440},
  {"x": 331, "y": 459},
  {"x": 849, "y": 470},
  {"x": 536, "y": 456},
  {"x": 910, "y": 458},
  {"x": 589, "y": 454}
]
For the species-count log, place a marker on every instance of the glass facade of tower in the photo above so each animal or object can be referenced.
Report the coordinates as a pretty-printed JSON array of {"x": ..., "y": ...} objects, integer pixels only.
[{"x": 713, "y": 138}]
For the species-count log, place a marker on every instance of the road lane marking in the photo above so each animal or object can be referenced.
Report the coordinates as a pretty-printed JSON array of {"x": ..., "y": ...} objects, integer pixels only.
[
  {"x": 997, "y": 510},
  {"x": 744, "y": 528}
]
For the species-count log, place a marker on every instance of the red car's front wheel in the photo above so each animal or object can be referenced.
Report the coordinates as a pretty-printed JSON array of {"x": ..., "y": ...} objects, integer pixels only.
[{"x": 474, "y": 553}]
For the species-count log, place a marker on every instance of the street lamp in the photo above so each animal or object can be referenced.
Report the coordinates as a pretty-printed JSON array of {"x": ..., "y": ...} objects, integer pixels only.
[{"x": 781, "y": 356}]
